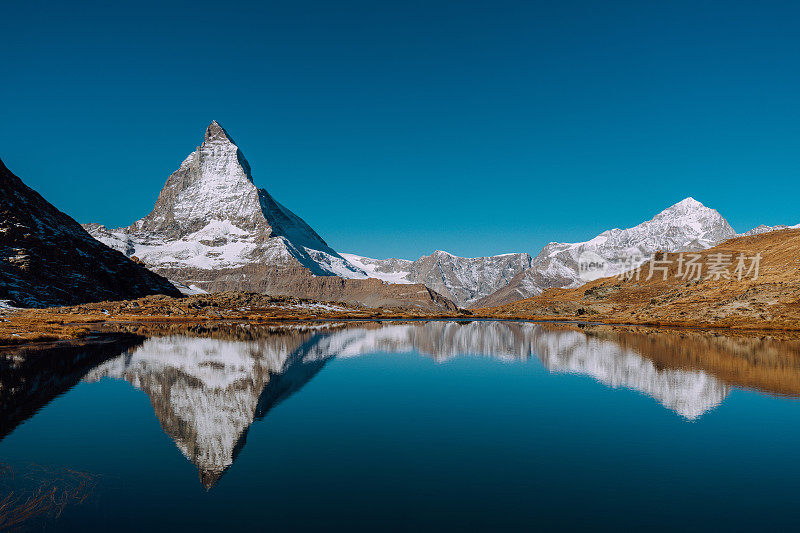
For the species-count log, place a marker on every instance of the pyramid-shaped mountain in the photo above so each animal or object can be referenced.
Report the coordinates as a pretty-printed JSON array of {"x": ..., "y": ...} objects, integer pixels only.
[
  {"x": 211, "y": 219},
  {"x": 212, "y": 228},
  {"x": 48, "y": 259}
]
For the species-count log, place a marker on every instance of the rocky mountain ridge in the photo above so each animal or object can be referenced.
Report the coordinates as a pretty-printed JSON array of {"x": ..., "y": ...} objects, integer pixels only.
[
  {"x": 463, "y": 280},
  {"x": 48, "y": 259}
]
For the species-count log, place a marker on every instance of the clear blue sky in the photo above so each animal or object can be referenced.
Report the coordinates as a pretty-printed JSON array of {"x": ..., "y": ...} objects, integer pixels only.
[{"x": 396, "y": 128}]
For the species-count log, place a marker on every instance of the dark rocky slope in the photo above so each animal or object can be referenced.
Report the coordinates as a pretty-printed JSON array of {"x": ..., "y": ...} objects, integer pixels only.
[{"x": 48, "y": 259}]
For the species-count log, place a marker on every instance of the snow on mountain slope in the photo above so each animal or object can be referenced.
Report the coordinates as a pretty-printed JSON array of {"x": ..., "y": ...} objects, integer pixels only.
[
  {"x": 210, "y": 216},
  {"x": 461, "y": 279},
  {"x": 685, "y": 226},
  {"x": 389, "y": 270}
]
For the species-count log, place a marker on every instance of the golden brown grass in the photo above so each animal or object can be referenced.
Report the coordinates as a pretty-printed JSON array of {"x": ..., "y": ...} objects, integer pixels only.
[{"x": 29, "y": 325}]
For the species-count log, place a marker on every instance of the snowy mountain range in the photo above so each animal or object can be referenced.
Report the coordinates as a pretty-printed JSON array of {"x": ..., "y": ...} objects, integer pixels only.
[
  {"x": 213, "y": 229},
  {"x": 685, "y": 226},
  {"x": 463, "y": 280},
  {"x": 758, "y": 230}
]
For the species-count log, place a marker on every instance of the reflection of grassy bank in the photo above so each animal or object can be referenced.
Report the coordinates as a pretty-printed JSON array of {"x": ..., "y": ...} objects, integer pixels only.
[{"x": 770, "y": 363}]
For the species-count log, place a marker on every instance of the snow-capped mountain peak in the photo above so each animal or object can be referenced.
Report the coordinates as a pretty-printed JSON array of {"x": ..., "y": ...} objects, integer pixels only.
[
  {"x": 215, "y": 132},
  {"x": 210, "y": 216}
]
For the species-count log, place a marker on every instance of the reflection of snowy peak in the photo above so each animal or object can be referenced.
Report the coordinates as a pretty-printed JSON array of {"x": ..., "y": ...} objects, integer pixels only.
[
  {"x": 211, "y": 216},
  {"x": 207, "y": 392},
  {"x": 687, "y": 392},
  {"x": 461, "y": 279},
  {"x": 685, "y": 226}
]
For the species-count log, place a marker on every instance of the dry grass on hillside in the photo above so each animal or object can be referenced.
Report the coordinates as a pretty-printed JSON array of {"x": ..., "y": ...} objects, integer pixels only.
[{"x": 28, "y": 325}]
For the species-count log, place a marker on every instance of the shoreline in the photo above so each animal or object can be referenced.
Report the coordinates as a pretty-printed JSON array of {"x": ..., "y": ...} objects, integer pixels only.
[{"x": 23, "y": 327}]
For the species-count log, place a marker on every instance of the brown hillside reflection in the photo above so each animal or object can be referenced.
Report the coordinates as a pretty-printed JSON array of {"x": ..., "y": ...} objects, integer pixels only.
[{"x": 769, "y": 363}]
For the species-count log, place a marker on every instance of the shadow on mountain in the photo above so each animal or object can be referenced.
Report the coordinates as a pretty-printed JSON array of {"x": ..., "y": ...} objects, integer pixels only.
[{"x": 32, "y": 376}]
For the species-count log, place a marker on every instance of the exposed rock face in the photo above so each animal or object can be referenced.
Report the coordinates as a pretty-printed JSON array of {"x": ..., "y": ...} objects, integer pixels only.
[
  {"x": 48, "y": 259},
  {"x": 212, "y": 229},
  {"x": 463, "y": 280},
  {"x": 685, "y": 226}
]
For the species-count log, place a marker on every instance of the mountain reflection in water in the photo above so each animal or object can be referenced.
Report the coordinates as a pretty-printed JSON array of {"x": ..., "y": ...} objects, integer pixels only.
[{"x": 207, "y": 389}]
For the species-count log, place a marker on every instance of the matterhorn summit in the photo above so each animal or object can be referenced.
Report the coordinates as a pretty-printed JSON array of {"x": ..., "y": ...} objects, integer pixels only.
[{"x": 210, "y": 217}]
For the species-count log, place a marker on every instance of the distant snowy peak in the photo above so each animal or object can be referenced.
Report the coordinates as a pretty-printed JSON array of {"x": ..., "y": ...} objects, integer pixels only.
[
  {"x": 758, "y": 230},
  {"x": 210, "y": 216},
  {"x": 685, "y": 226},
  {"x": 461, "y": 279}
]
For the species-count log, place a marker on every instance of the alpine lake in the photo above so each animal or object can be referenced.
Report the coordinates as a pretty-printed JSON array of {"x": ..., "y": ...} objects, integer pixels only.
[{"x": 404, "y": 425}]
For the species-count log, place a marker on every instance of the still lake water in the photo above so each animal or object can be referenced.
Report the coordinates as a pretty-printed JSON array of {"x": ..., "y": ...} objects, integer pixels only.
[{"x": 409, "y": 426}]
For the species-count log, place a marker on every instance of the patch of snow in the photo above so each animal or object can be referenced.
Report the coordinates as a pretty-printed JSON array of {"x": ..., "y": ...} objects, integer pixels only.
[
  {"x": 372, "y": 268},
  {"x": 6, "y": 304}
]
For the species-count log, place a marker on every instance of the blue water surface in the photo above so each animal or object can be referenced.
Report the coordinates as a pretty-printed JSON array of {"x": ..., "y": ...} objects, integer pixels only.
[{"x": 437, "y": 426}]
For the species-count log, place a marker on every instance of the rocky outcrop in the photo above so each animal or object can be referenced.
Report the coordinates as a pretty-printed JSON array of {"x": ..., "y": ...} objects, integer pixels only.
[
  {"x": 464, "y": 280},
  {"x": 48, "y": 259}
]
